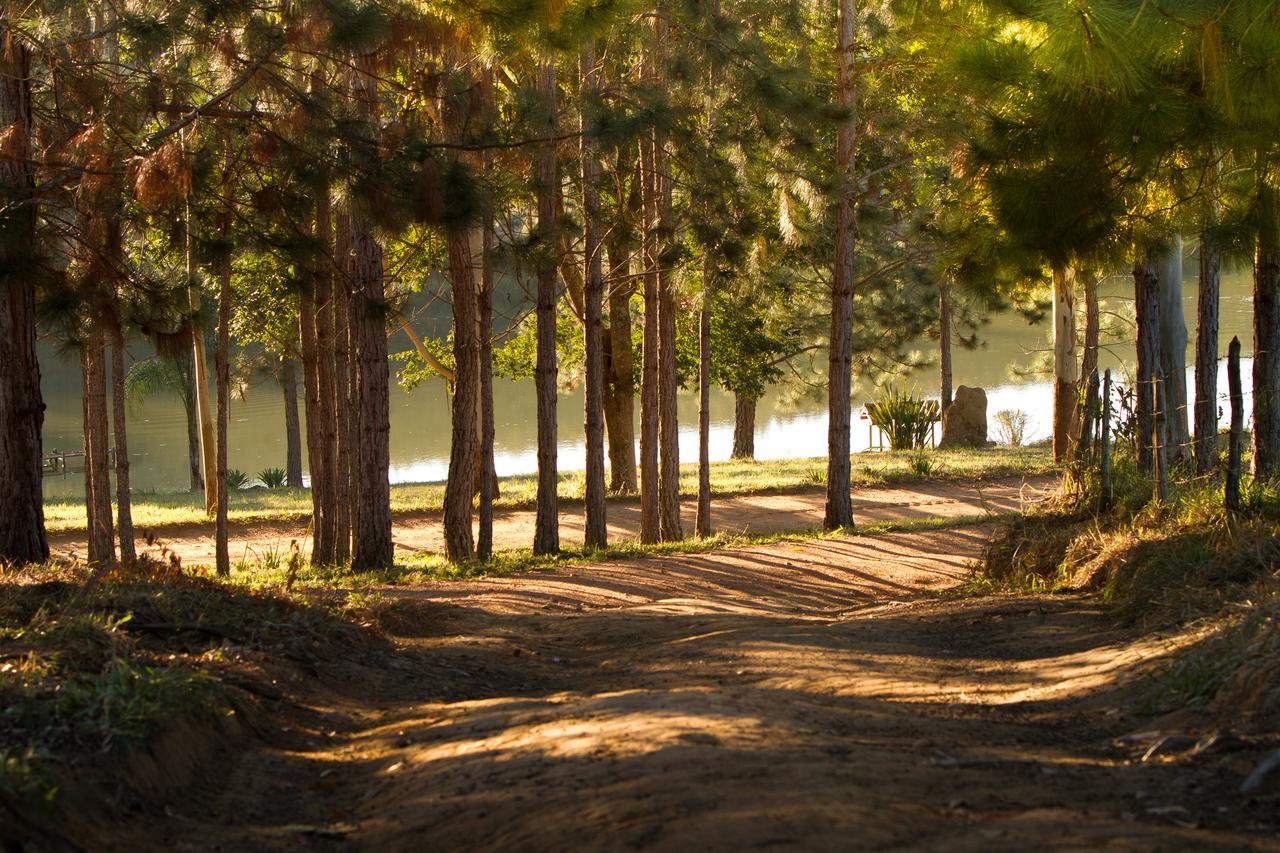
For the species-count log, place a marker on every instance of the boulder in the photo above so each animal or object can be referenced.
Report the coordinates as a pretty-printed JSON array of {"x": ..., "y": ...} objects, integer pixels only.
[{"x": 964, "y": 423}]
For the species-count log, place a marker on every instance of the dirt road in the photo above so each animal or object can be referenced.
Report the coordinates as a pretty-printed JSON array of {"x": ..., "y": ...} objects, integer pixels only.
[
  {"x": 796, "y": 696},
  {"x": 756, "y": 513}
]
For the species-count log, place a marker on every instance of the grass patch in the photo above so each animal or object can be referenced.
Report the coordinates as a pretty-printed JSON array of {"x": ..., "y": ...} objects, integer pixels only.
[
  {"x": 87, "y": 673},
  {"x": 157, "y": 511}
]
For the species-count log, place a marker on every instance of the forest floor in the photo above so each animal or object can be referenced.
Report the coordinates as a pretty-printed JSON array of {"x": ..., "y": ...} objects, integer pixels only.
[
  {"x": 756, "y": 514},
  {"x": 825, "y": 694}
]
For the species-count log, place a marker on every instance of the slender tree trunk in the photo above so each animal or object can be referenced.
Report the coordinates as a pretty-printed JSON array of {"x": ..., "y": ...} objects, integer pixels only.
[
  {"x": 1206, "y": 406},
  {"x": 221, "y": 360},
  {"x": 292, "y": 423},
  {"x": 1147, "y": 308},
  {"x": 1266, "y": 338},
  {"x": 546, "y": 536},
  {"x": 620, "y": 386},
  {"x": 1066, "y": 364},
  {"x": 344, "y": 391},
  {"x": 465, "y": 435},
  {"x": 102, "y": 551},
  {"x": 124, "y": 501},
  {"x": 22, "y": 534},
  {"x": 596, "y": 531},
  {"x": 488, "y": 243},
  {"x": 327, "y": 429},
  {"x": 374, "y": 549},
  {"x": 1173, "y": 353},
  {"x": 669, "y": 527},
  {"x": 744, "y": 427},
  {"x": 204, "y": 417},
  {"x": 944, "y": 341},
  {"x": 321, "y": 555},
  {"x": 1092, "y": 327},
  {"x": 839, "y": 510},
  {"x": 194, "y": 462}
]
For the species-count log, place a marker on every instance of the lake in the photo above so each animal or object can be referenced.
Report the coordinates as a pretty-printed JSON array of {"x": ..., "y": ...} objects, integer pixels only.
[{"x": 787, "y": 427}]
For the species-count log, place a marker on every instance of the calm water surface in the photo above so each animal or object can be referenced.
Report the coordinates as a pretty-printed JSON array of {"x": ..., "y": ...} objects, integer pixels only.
[{"x": 420, "y": 419}]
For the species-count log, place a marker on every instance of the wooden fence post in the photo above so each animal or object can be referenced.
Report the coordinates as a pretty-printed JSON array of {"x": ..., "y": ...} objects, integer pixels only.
[
  {"x": 1104, "y": 497},
  {"x": 1237, "y": 426}
]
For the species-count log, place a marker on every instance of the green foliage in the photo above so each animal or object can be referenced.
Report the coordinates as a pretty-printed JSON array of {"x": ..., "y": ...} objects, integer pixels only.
[
  {"x": 236, "y": 479},
  {"x": 904, "y": 417},
  {"x": 272, "y": 478}
]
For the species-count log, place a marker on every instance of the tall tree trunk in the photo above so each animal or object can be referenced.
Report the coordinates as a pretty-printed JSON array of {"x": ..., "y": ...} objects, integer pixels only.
[
  {"x": 1266, "y": 338},
  {"x": 373, "y": 549},
  {"x": 596, "y": 531},
  {"x": 744, "y": 427},
  {"x": 204, "y": 414},
  {"x": 1173, "y": 353},
  {"x": 465, "y": 414},
  {"x": 327, "y": 430},
  {"x": 1066, "y": 364},
  {"x": 620, "y": 385},
  {"x": 488, "y": 242},
  {"x": 97, "y": 471},
  {"x": 321, "y": 554},
  {"x": 124, "y": 501},
  {"x": 669, "y": 527},
  {"x": 839, "y": 509},
  {"x": 944, "y": 340},
  {"x": 649, "y": 524},
  {"x": 1092, "y": 327},
  {"x": 702, "y": 520},
  {"x": 344, "y": 390},
  {"x": 1206, "y": 406},
  {"x": 1147, "y": 307},
  {"x": 546, "y": 535},
  {"x": 292, "y": 424},
  {"x": 222, "y": 369},
  {"x": 195, "y": 463},
  {"x": 22, "y": 534}
]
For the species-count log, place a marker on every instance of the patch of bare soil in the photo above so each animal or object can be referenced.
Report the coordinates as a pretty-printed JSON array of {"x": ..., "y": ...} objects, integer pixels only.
[
  {"x": 789, "y": 696},
  {"x": 416, "y": 533}
]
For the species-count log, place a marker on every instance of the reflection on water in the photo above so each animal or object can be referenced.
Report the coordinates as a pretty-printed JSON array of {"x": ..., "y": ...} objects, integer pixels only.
[{"x": 420, "y": 419}]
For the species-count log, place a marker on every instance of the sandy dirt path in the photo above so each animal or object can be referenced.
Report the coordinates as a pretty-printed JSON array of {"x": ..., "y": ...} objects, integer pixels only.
[
  {"x": 793, "y": 696},
  {"x": 419, "y": 533}
]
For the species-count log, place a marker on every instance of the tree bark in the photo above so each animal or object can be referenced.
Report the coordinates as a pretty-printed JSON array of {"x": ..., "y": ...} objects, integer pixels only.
[
  {"x": 1092, "y": 327},
  {"x": 292, "y": 423},
  {"x": 620, "y": 385},
  {"x": 1206, "y": 406},
  {"x": 22, "y": 533},
  {"x": 1173, "y": 353},
  {"x": 204, "y": 415},
  {"x": 546, "y": 535},
  {"x": 464, "y": 447},
  {"x": 194, "y": 461},
  {"x": 321, "y": 555},
  {"x": 373, "y": 549},
  {"x": 221, "y": 361},
  {"x": 839, "y": 509},
  {"x": 744, "y": 427},
  {"x": 97, "y": 471},
  {"x": 327, "y": 429},
  {"x": 669, "y": 527},
  {"x": 1266, "y": 338},
  {"x": 1066, "y": 365},
  {"x": 1147, "y": 308},
  {"x": 944, "y": 341},
  {"x": 124, "y": 500},
  {"x": 596, "y": 530},
  {"x": 344, "y": 390}
]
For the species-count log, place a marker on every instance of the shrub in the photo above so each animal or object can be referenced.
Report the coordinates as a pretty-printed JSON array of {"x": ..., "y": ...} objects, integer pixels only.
[
  {"x": 237, "y": 479},
  {"x": 272, "y": 478},
  {"x": 1011, "y": 426},
  {"x": 904, "y": 417}
]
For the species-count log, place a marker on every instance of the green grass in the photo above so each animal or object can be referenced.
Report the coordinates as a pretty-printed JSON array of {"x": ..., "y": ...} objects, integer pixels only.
[
  {"x": 156, "y": 511},
  {"x": 88, "y": 673}
]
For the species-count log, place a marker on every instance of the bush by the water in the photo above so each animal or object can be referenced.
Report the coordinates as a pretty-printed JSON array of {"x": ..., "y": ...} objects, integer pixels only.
[{"x": 905, "y": 418}]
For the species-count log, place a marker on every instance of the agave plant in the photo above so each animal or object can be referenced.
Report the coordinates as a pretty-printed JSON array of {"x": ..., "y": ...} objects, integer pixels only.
[
  {"x": 272, "y": 478},
  {"x": 236, "y": 479},
  {"x": 904, "y": 417}
]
